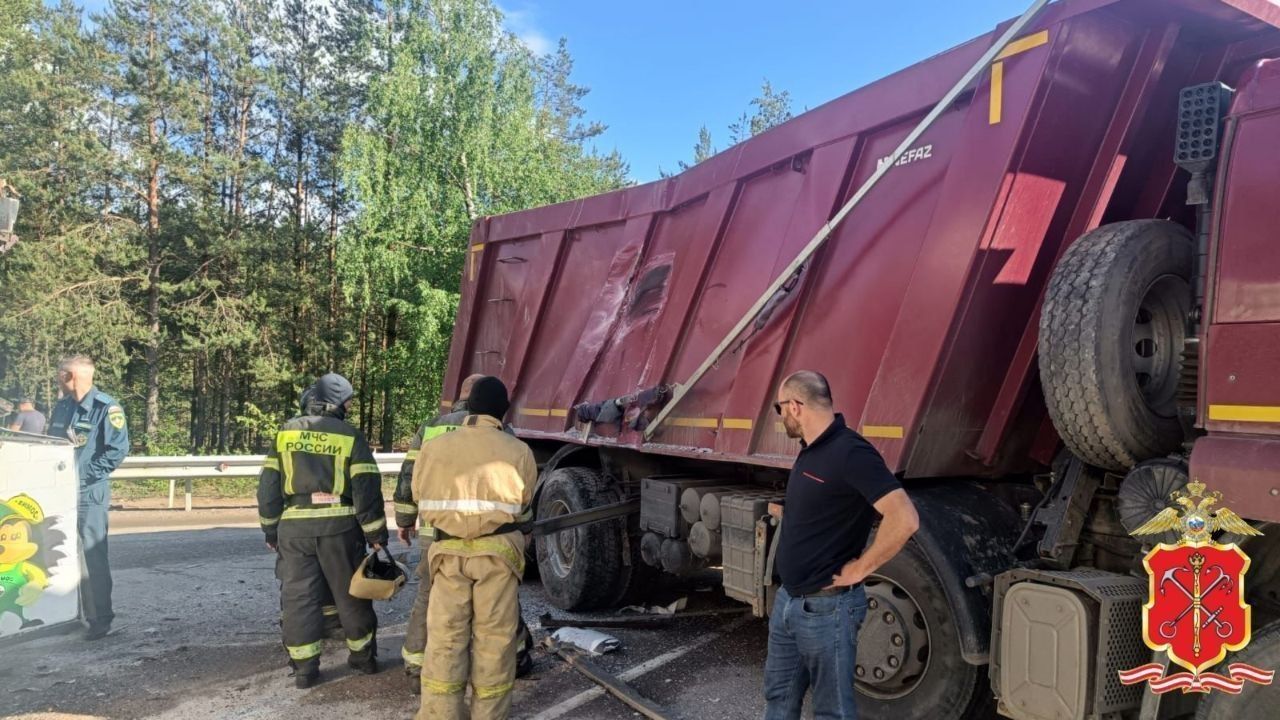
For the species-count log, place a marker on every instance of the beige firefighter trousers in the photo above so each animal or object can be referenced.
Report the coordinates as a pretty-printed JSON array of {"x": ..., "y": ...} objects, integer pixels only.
[{"x": 471, "y": 638}]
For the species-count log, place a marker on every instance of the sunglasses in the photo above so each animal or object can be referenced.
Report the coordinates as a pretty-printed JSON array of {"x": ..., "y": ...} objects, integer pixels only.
[{"x": 777, "y": 407}]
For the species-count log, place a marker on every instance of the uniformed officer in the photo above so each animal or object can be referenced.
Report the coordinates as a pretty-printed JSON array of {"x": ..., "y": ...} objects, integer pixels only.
[
  {"x": 415, "y": 636},
  {"x": 320, "y": 502},
  {"x": 473, "y": 484},
  {"x": 95, "y": 423}
]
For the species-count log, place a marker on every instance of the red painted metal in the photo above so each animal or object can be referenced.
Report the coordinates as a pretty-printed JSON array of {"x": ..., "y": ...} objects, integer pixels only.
[
  {"x": 921, "y": 308},
  {"x": 1243, "y": 469}
]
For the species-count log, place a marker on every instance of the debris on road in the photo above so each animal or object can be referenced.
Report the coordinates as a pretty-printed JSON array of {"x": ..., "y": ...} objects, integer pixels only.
[
  {"x": 610, "y": 683},
  {"x": 588, "y": 641}
]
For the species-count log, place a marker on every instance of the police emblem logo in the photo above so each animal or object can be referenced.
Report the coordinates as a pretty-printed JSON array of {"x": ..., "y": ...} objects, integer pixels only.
[
  {"x": 1195, "y": 611},
  {"x": 115, "y": 416}
]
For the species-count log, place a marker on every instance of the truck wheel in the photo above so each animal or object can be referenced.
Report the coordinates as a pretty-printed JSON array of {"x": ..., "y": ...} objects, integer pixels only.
[
  {"x": 1111, "y": 339},
  {"x": 1256, "y": 702},
  {"x": 909, "y": 663},
  {"x": 581, "y": 568}
]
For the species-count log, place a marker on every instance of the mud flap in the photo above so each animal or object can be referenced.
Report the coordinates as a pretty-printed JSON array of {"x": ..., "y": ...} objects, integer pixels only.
[{"x": 966, "y": 530}]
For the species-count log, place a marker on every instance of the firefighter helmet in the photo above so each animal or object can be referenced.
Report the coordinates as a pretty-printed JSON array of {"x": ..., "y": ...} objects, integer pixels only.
[{"x": 378, "y": 578}]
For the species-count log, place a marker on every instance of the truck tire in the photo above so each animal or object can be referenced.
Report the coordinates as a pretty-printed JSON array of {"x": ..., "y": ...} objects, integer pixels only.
[
  {"x": 1111, "y": 339},
  {"x": 923, "y": 674},
  {"x": 1256, "y": 702},
  {"x": 581, "y": 568}
]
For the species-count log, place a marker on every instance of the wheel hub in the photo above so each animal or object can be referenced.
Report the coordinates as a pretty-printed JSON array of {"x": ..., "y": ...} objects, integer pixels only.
[
  {"x": 893, "y": 642},
  {"x": 1157, "y": 339},
  {"x": 561, "y": 546}
]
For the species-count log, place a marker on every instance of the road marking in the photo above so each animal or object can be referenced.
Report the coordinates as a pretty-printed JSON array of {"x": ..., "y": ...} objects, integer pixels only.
[{"x": 560, "y": 709}]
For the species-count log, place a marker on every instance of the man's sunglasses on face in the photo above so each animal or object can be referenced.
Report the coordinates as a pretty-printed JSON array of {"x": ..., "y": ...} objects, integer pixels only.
[{"x": 777, "y": 407}]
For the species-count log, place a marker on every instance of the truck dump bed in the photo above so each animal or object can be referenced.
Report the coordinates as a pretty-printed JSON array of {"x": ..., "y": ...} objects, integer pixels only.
[{"x": 922, "y": 307}]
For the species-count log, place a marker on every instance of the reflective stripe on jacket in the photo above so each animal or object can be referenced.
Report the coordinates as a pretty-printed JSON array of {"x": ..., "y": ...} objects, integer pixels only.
[
  {"x": 320, "y": 478},
  {"x": 474, "y": 480}
]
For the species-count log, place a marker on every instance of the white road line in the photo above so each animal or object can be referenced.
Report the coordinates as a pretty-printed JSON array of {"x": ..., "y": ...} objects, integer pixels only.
[{"x": 560, "y": 709}]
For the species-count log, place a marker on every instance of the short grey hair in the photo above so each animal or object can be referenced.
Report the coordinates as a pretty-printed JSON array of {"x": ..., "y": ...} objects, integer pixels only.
[
  {"x": 810, "y": 387},
  {"x": 72, "y": 362}
]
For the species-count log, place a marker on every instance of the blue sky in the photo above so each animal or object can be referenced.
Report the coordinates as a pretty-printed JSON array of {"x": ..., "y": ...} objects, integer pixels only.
[{"x": 660, "y": 69}]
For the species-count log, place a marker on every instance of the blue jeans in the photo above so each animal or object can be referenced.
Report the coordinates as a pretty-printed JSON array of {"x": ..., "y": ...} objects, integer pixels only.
[{"x": 812, "y": 644}]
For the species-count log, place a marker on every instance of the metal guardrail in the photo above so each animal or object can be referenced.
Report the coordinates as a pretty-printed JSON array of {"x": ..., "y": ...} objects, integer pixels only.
[{"x": 190, "y": 468}]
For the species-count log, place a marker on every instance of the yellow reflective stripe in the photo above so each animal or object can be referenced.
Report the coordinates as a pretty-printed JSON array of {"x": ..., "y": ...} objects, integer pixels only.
[
  {"x": 358, "y": 645},
  {"x": 364, "y": 469},
  {"x": 313, "y": 442},
  {"x": 1023, "y": 44},
  {"x": 304, "y": 652},
  {"x": 486, "y": 692},
  {"x": 424, "y": 527},
  {"x": 329, "y": 609},
  {"x": 485, "y": 545},
  {"x": 435, "y": 431},
  {"x": 375, "y": 525},
  {"x": 414, "y": 659},
  {"x": 411, "y": 456},
  {"x": 470, "y": 506},
  {"x": 339, "y": 474},
  {"x": 442, "y": 687},
  {"x": 889, "y": 432},
  {"x": 310, "y": 513},
  {"x": 406, "y": 508},
  {"x": 1245, "y": 413},
  {"x": 268, "y": 522},
  {"x": 271, "y": 464}
]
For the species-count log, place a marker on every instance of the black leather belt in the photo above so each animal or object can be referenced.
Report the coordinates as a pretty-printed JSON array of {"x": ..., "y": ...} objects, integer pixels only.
[{"x": 828, "y": 592}]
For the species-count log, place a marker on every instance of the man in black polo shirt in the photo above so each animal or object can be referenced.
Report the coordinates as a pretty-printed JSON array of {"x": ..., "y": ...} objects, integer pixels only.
[{"x": 838, "y": 486}]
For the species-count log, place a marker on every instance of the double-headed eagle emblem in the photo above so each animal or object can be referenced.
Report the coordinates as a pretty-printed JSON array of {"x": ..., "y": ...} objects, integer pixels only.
[
  {"x": 1195, "y": 610},
  {"x": 1195, "y": 519}
]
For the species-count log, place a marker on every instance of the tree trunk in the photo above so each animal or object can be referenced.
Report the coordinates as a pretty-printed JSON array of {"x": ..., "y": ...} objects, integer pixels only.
[
  {"x": 152, "y": 421},
  {"x": 388, "y": 413}
]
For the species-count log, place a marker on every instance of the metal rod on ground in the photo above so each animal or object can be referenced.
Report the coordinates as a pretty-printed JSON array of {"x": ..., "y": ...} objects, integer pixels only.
[
  {"x": 610, "y": 683},
  {"x": 821, "y": 236}
]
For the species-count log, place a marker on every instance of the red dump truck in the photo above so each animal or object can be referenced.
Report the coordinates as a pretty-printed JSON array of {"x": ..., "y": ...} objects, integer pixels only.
[{"x": 1059, "y": 302}]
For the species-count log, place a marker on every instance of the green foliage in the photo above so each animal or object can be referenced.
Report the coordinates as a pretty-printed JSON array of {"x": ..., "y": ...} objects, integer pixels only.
[{"x": 223, "y": 199}]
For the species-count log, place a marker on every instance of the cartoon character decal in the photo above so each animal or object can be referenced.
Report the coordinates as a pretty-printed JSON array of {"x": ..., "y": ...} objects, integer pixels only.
[{"x": 29, "y": 548}]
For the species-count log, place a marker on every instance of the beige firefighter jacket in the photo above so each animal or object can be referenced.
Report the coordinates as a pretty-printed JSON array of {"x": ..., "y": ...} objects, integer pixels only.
[{"x": 471, "y": 481}]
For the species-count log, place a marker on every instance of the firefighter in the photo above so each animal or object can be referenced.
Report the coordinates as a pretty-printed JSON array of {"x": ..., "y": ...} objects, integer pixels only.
[
  {"x": 471, "y": 488},
  {"x": 320, "y": 503},
  {"x": 415, "y": 638}
]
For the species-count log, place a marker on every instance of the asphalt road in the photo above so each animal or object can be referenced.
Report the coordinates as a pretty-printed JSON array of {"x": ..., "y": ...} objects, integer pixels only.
[{"x": 197, "y": 637}]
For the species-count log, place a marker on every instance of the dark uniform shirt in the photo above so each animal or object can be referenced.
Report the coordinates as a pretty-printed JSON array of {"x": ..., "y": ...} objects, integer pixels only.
[
  {"x": 96, "y": 426},
  {"x": 829, "y": 509},
  {"x": 319, "y": 479}
]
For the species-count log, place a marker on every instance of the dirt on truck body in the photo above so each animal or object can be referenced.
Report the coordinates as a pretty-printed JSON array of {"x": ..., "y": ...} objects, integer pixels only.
[{"x": 1056, "y": 304}]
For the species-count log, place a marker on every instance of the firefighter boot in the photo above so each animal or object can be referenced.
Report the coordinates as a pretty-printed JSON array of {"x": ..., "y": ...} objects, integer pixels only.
[
  {"x": 305, "y": 672},
  {"x": 365, "y": 659}
]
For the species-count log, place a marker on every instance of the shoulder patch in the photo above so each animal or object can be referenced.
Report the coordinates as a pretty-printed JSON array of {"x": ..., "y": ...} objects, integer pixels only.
[{"x": 115, "y": 416}]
